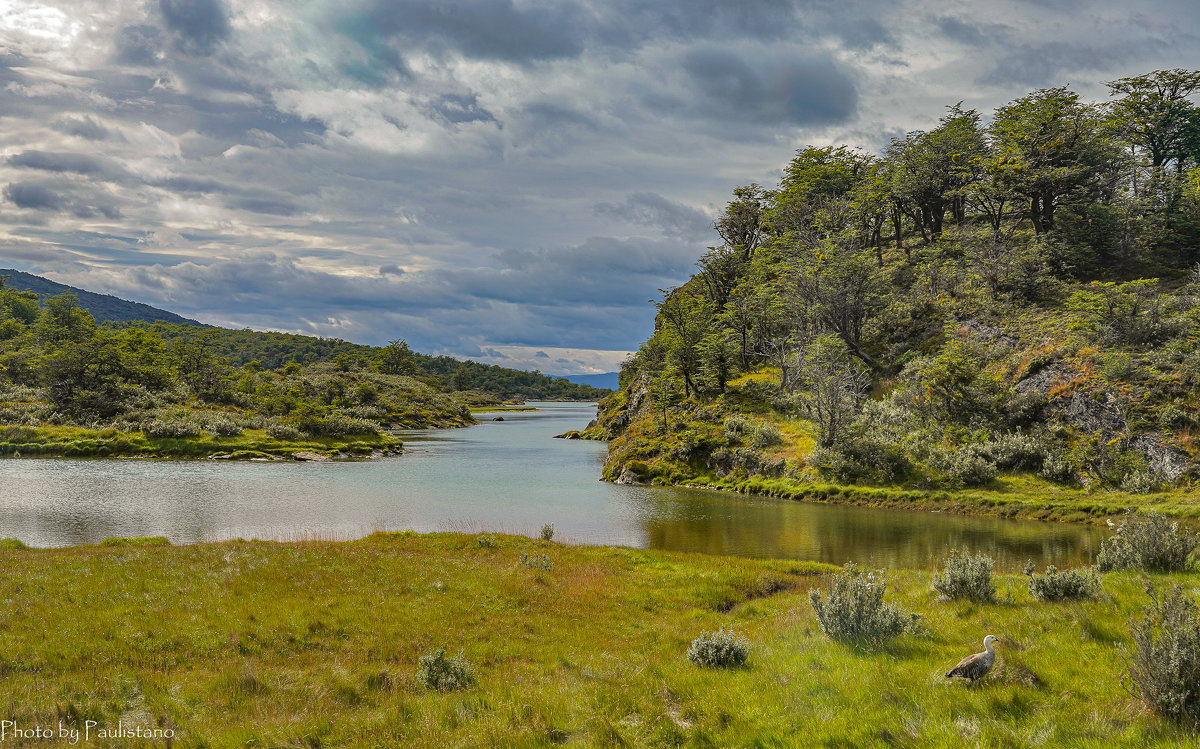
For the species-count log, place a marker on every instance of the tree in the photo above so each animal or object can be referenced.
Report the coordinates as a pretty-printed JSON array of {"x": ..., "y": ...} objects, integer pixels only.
[
  {"x": 1156, "y": 113},
  {"x": 64, "y": 321},
  {"x": 1049, "y": 145},
  {"x": 397, "y": 358},
  {"x": 834, "y": 387},
  {"x": 815, "y": 181},
  {"x": 684, "y": 322},
  {"x": 740, "y": 226}
]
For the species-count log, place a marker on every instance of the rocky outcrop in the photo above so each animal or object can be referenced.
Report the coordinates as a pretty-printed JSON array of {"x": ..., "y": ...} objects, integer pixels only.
[
  {"x": 1162, "y": 459},
  {"x": 1089, "y": 413},
  {"x": 308, "y": 456},
  {"x": 1044, "y": 380}
]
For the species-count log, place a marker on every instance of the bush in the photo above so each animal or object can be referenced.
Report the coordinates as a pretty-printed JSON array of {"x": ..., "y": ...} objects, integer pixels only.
[
  {"x": 486, "y": 542},
  {"x": 854, "y": 610},
  {"x": 284, "y": 432},
  {"x": 765, "y": 435},
  {"x": 720, "y": 649},
  {"x": 969, "y": 465},
  {"x": 1015, "y": 452},
  {"x": 547, "y": 532},
  {"x": 966, "y": 576},
  {"x": 539, "y": 562},
  {"x": 1056, "y": 585},
  {"x": 224, "y": 427},
  {"x": 1165, "y": 668},
  {"x": 171, "y": 428},
  {"x": 1058, "y": 469},
  {"x": 437, "y": 672},
  {"x": 1150, "y": 543}
]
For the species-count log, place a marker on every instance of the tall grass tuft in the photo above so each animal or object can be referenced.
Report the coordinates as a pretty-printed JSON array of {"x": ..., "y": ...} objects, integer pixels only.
[
  {"x": 1150, "y": 542},
  {"x": 966, "y": 576},
  {"x": 1165, "y": 668},
  {"x": 854, "y": 611}
]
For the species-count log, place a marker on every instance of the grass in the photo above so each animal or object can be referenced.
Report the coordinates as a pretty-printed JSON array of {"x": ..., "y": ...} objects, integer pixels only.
[
  {"x": 80, "y": 442},
  {"x": 317, "y": 644}
]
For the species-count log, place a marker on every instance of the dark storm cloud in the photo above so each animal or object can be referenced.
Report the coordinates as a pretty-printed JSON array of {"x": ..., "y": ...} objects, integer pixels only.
[
  {"x": 83, "y": 126},
  {"x": 198, "y": 25},
  {"x": 139, "y": 44},
  {"x": 34, "y": 196},
  {"x": 651, "y": 209},
  {"x": 76, "y": 163},
  {"x": 270, "y": 206},
  {"x": 796, "y": 90}
]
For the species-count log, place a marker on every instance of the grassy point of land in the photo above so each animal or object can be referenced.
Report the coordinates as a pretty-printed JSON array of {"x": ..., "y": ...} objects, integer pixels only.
[{"x": 316, "y": 644}]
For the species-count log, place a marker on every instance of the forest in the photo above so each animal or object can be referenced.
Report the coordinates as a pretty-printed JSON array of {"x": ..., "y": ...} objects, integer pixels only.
[
  {"x": 71, "y": 386},
  {"x": 1005, "y": 301}
]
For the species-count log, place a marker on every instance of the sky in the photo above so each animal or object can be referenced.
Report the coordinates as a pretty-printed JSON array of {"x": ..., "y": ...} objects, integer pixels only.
[{"x": 506, "y": 180}]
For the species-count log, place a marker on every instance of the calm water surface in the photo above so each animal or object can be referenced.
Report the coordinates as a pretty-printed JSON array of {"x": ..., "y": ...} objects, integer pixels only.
[{"x": 508, "y": 476}]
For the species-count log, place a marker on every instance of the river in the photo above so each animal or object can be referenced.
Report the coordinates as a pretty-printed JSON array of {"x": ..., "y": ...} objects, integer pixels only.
[{"x": 507, "y": 477}]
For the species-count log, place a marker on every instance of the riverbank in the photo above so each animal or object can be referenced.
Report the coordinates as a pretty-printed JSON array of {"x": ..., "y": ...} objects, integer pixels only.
[
  {"x": 317, "y": 644},
  {"x": 251, "y": 444}
]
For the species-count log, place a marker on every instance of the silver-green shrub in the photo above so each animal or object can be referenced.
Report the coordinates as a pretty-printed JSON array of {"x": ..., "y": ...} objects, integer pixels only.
[
  {"x": 1063, "y": 585},
  {"x": 966, "y": 576},
  {"x": 437, "y": 672},
  {"x": 853, "y": 609},
  {"x": 1165, "y": 665},
  {"x": 1148, "y": 542},
  {"x": 171, "y": 428},
  {"x": 721, "y": 649}
]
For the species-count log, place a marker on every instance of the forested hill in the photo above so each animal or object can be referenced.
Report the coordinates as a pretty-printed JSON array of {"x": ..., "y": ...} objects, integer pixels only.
[
  {"x": 1008, "y": 300},
  {"x": 103, "y": 307}
]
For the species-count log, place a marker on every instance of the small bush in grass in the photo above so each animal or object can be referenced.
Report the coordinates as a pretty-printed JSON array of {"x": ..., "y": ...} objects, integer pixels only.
[
  {"x": 721, "y": 649},
  {"x": 224, "y": 427},
  {"x": 439, "y": 673},
  {"x": 1062, "y": 585},
  {"x": 854, "y": 610},
  {"x": 547, "y": 532},
  {"x": 766, "y": 435},
  {"x": 171, "y": 428},
  {"x": 486, "y": 542},
  {"x": 1165, "y": 668},
  {"x": 539, "y": 562},
  {"x": 1150, "y": 543},
  {"x": 966, "y": 576}
]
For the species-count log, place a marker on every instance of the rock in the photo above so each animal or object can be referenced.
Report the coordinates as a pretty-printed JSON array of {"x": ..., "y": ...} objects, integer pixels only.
[
  {"x": 1089, "y": 414},
  {"x": 1164, "y": 460},
  {"x": 571, "y": 435},
  {"x": 628, "y": 478},
  {"x": 305, "y": 455},
  {"x": 1044, "y": 380},
  {"x": 498, "y": 418},
  {"x": 989, "y": 333},
  {"x": 592, "y": 423}
]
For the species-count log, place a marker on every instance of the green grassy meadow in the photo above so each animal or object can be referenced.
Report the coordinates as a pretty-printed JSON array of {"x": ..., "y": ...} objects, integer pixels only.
[{"x": 316, "y": 644}]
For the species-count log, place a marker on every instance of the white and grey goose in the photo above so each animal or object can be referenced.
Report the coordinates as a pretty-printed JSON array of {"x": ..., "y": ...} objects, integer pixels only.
[{"x": 976, "y": 666}]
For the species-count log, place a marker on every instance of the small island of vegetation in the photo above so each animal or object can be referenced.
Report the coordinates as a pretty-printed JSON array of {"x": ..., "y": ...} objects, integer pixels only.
[{"x": 70, "y": 386}]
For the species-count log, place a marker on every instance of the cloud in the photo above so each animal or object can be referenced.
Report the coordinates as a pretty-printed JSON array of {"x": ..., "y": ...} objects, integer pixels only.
[
  {"x": 34, "y": 196},
  {"x": 198, "y": 25},
  {"x": 652, "y": 209}
]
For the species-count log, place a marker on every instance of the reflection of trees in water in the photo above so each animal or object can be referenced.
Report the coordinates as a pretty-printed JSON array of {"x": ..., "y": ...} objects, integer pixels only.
[{"x": 715, "y": 524}]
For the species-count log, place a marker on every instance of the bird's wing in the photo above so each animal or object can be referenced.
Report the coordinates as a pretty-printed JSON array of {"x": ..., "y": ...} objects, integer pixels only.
[{"x": 966, "y": 666}]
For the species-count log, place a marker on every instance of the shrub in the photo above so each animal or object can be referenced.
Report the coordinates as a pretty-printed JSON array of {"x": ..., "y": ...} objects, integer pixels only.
[
  {"x": 284, "y": 432},
  {"x": 765, "y": 435},
  {"x": 437, "y": 672},
  {"x": 171, "y": 428},
  {"x": 854, "y": 610},
  {"x": 1058, "y": 469},
  {"x": 1062, "y": 585},
  {"x": 1015, "y": 451},
  {"x": 969, "y": 465},
  {"x": 224, "y": 427},
  {"x": 539, "y": 562},
  {"x": 1165, "y": 668},
  {"x": 721, "y": 649},
  {"x": 1149, "y": 542},
  {"x": 966, "y": 576},
  {"x": 486, "y": 542},
  {"x": 1140, "y": 482},
  {"x": 547, "y": 532}
]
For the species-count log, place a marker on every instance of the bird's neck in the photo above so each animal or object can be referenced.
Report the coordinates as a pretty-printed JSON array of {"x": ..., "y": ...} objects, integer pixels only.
[{"x": 987, "y": 645}]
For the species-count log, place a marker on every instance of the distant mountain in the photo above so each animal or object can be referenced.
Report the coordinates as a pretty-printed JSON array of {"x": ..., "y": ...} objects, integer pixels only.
[
  {"x": 102, "y": 306},
  {"x": 606, "y": 380}
]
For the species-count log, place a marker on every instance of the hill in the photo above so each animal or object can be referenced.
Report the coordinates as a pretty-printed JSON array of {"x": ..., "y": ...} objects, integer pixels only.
[
  {"x": 103, "y": 307},
  {"x": 996, "y": 318},
  {"x": 607, "y": 380}
]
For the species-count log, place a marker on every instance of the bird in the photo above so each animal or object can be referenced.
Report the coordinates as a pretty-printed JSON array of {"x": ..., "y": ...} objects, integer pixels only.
[{"x": 976, "y": 666}]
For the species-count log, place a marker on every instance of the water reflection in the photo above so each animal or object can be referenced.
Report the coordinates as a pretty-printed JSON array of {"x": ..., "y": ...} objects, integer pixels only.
[{"x": 508, "y": 476}]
